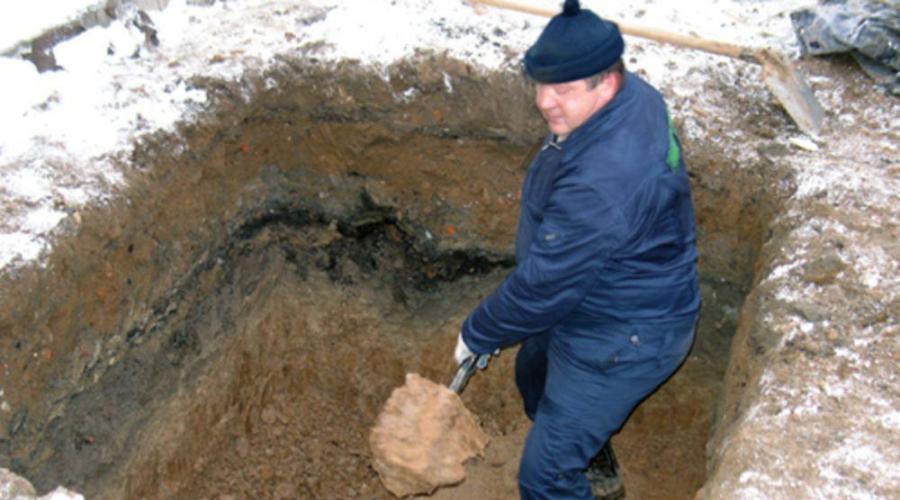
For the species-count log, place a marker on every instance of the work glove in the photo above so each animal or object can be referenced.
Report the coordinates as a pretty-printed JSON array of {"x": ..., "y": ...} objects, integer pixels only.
[
  {"x": 462, "y": 351},
  {"x": 468, "y": 361}
]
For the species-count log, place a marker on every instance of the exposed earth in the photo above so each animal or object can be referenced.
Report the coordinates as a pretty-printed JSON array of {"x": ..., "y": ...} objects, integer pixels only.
[{"x": 229, "y": 324}]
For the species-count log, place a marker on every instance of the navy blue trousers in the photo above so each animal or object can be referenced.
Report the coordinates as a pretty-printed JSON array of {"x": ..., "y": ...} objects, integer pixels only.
[{"x": 579, "y": 386}]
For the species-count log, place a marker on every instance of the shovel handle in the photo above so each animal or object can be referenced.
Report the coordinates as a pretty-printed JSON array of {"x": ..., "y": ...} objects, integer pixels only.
[
  {"x": 783, "y": 81},
  {"x": 693, "y": 42},
  {"x": 466, "y": 369}
]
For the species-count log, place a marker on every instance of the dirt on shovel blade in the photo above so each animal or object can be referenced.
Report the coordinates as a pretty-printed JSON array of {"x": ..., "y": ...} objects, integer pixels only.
[{"x": 422, "y": 438}]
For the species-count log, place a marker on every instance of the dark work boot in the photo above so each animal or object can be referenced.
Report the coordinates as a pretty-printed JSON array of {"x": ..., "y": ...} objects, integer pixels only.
[{"x": 603, "y": 474}]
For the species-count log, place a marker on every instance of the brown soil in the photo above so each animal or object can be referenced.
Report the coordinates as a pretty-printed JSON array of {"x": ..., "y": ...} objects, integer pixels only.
[{"x": 231, "y": 325}]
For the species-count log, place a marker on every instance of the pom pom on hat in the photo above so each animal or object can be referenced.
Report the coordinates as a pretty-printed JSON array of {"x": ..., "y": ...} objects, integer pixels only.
[
  {"x": 575, "y": 44},
  {"x": 571, "y": 7}
]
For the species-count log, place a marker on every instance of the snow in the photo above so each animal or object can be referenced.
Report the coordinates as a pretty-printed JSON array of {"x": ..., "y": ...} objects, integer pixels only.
[
  {"x": 26, "y": 20},
  {"x": 63, "y": 132}
]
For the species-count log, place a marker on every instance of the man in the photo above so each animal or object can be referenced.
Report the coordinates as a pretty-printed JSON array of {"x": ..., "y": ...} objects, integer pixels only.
[{"x": 605, "y": 292}]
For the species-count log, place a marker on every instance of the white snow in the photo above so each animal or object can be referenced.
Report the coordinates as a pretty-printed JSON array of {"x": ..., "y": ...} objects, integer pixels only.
[
  {"x": 61, "y": 133},
  {"x": 25, "y": 20}
]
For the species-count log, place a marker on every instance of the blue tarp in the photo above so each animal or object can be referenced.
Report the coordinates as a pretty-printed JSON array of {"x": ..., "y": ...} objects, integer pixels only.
[{"x": 867, "y": 29}]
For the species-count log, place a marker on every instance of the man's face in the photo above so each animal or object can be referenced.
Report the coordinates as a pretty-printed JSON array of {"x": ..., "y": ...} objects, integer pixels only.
[{"x": 565, "y": 106}]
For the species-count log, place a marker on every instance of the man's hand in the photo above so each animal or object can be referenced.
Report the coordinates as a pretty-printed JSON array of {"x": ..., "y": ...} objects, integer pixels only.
[{"x": 462, "y": 351}]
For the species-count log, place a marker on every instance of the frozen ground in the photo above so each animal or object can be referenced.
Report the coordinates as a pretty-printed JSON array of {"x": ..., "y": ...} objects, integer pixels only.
[{"x": 66, "y": 137}]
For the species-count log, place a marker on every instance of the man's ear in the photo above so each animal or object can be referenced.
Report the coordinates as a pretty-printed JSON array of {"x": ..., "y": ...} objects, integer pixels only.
[
  {"x": 607, "y": 88},
  {"x": 611, "y": 85}
]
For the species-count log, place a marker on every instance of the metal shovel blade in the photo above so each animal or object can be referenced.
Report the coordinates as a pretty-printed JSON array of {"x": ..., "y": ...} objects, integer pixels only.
[{"x": 791, "y": 91}]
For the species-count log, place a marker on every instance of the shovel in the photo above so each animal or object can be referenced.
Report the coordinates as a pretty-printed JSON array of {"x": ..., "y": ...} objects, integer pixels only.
[
  {"x": 784, "y": 82},
  {"x": 466, "y": 369}
]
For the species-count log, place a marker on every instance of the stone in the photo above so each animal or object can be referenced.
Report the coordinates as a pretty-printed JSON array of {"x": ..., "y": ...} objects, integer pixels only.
[
  {"x": 285, "y": 490},
  {"x": 823, "y": 271},
  {"x": 810, "y": 311},
  {"x": 422, "y": 438},
  {"x": 15, "y": 487},
  {"x": 269, "y": 415},
  {"x": 61, "y": 493},
  {"x": 159, "y": 5}
]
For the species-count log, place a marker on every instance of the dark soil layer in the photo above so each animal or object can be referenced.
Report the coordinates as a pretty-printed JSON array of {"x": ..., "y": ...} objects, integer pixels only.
[{"x": 230, "y": 326}]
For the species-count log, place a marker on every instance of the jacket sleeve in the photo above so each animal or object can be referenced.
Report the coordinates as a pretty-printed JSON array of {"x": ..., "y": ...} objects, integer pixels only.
[{"x": 578, "y": 230}]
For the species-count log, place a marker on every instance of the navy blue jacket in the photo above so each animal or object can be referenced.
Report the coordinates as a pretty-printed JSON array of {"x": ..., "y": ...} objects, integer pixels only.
[{"x": 606, "y": 231}]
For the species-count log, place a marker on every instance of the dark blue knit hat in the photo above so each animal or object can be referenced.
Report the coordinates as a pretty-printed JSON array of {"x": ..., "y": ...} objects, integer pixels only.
[{"x": 575, "y": 44}]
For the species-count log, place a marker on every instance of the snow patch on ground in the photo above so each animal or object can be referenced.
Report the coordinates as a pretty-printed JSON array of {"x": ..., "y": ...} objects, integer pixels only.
[
  {"x": 26, "y": 20},
  {"x": 64, "y": 134}
]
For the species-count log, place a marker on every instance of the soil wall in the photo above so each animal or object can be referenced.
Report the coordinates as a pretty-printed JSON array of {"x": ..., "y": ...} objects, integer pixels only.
[{"x": 274, "y": 265}]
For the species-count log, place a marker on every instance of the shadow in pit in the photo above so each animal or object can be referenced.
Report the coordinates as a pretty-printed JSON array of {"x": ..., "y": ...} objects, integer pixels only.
[{"x": 354, "y": 303}]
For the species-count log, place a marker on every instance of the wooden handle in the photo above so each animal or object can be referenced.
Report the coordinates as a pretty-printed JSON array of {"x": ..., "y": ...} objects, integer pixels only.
[{"x": 721, "y": 48}]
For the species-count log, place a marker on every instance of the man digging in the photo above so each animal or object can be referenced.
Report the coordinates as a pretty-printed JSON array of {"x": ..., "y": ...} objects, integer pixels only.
[{"x": 605, "y": 293}]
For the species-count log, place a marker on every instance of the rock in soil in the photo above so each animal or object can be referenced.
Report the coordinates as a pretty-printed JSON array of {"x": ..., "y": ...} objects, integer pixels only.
[{"x": 422, "y": 438}]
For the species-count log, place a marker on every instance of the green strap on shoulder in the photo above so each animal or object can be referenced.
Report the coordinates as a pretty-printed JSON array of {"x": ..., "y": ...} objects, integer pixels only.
[{"x": 673, "y": 158}]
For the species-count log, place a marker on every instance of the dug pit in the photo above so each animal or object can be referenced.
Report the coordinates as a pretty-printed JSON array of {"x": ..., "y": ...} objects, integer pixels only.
[{"x": 231, "y": 325}]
